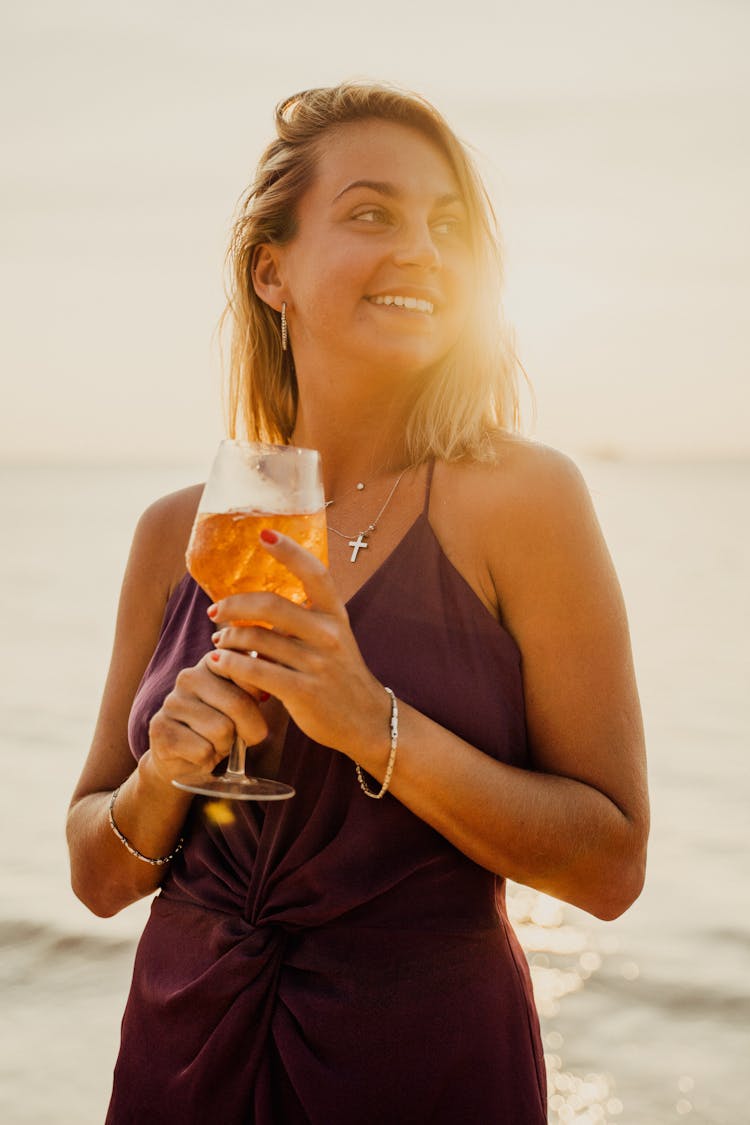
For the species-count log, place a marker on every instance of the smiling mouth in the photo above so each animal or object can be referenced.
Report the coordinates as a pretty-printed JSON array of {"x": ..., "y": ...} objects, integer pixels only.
[{"x": 415, "y": 304}]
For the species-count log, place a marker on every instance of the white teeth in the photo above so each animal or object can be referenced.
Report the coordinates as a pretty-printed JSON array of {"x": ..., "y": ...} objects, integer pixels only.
[{"x": 405, "y": 303}]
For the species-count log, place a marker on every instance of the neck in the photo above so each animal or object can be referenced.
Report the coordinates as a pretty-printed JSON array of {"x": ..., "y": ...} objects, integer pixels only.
[{"x": 357, "y": 438}]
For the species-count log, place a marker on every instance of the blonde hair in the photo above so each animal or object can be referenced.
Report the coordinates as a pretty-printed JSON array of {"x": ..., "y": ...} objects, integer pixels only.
[{"x": 474, "y": 391}]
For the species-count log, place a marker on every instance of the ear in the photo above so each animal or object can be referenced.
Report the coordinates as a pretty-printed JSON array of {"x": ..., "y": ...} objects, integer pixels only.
[{"x": 267, "y": 275}]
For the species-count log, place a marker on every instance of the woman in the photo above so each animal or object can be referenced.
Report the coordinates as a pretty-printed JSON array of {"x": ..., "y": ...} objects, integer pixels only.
[{"x": 335, "y": 959}]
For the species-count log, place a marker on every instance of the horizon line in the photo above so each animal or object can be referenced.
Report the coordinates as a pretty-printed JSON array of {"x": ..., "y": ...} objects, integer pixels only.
[{"x": 604, "y": 454}]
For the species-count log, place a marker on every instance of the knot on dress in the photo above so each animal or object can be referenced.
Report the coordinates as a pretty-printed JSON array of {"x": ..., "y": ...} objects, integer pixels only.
[{"x": 212, "y": 977}]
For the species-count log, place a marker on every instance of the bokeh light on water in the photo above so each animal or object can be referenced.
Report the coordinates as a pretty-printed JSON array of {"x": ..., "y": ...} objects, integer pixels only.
[{"x": 562, "y": 958}]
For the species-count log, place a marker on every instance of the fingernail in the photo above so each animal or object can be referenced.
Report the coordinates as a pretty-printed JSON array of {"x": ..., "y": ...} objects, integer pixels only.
[
  {"x": 215, "y": 656},
  {"x": 269, "y": 536},
  {"x": 216, "y": 637},
  {"x": 264, "y": 695},
  {"x": 212, "y": 611}
]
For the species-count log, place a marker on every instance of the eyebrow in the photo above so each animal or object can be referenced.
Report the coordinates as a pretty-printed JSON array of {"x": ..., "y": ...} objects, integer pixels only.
[{"x": 383, "y": 187}]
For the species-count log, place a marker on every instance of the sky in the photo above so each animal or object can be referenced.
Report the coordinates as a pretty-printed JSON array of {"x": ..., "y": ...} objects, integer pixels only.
[{"x": 613, "y": 136}]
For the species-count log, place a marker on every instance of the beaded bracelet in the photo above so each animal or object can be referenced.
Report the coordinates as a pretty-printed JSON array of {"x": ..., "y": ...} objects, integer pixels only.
[
  {"x": 391, "y": 758},
  {"x": 162, "y": 859}
]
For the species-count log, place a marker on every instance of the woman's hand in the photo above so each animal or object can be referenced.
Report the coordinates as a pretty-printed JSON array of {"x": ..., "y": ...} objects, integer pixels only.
[
  {"x": 196, "y": 725},
  {"x": 307, "y": 657}
]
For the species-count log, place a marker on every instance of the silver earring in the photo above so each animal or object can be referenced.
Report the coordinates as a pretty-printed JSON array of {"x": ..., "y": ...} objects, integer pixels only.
[{"x": 284, "y": 330}]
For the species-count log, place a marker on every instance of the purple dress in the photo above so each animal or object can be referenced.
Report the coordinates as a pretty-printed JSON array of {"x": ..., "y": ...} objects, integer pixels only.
[{"x": 333, "y": 960}]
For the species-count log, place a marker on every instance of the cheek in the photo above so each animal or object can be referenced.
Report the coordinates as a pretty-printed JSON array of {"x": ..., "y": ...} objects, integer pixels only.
[
  {"x": 461, "y": 270},
  {"x": 461, "y": 292},
  {"x": 334, "y": 283}
]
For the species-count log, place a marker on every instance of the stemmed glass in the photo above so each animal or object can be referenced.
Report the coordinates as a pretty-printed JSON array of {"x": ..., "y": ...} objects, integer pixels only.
[{"x": 253, "y": 486}]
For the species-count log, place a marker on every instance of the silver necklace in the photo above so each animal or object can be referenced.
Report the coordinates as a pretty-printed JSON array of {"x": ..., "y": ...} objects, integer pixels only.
[
  {"x": 359, "y": 542},
  {"x": 360, "y": 486}
]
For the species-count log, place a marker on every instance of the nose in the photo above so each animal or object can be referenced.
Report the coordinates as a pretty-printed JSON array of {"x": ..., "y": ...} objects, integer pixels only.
[{"x": 416, "y": 247}]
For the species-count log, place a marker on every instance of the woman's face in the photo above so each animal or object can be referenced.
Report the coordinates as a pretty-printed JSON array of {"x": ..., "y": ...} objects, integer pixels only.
[{"x": 378, "y": 276}]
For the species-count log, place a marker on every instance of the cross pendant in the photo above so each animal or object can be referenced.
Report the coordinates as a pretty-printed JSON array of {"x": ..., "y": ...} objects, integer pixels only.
[{"x": 358, "y": 544}]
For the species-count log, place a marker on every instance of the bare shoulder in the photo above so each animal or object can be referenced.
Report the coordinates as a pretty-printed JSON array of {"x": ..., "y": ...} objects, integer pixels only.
[
  {"x": 504, "y": 523},
  {"x": 155, "y": 566},
  {"x": 162, "y": 534},
  {"x": 525, "y": 473},
  {"x": 537, "y": 463},
  {"x": 541, "y": 491},
  {"x": 543, "y": 537}
]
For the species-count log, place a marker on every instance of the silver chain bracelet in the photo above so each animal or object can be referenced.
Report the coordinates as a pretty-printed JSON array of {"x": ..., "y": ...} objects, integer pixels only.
[
  {"x": 391, "y": 758},
  {"x": 160, "y": 861}
]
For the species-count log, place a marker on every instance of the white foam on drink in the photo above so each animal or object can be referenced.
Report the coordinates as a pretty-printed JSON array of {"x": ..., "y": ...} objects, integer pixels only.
[{"x": 248, "y": 476}]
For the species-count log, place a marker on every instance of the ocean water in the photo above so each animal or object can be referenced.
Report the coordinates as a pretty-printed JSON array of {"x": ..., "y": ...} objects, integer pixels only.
[{"x": 646, "y": 1019}]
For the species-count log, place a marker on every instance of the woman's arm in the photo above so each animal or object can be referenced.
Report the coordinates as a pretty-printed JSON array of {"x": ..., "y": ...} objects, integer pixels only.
[
  {"x": 192, "y": 732},
  {"x": 576, "y": 827},
  {"x": 103, "y": 873}
]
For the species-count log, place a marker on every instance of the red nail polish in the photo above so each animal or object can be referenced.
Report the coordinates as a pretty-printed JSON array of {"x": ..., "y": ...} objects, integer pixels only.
[
  {"x": 269, "y": 536},
  {"x": 212, "y": 611},
  {"x": 264, "y": 695},
  {"x": 215, "y": 656},
  {"x": 216, "y": 637}
]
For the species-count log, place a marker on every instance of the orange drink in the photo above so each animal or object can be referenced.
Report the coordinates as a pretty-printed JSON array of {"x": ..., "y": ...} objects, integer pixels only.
[{"x": 225, "y": 555}]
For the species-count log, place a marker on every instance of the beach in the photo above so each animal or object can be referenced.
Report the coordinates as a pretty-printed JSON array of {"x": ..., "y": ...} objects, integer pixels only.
[{"x": 645, "y": 1019}]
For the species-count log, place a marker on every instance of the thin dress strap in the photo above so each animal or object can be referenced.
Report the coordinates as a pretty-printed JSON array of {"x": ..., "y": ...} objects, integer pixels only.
[{"x": 428, "y": 486}]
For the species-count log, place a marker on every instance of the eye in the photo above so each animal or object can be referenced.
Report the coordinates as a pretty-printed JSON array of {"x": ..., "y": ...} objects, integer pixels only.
[
  {"x": 449, "y": 225},
  {"x": 372, "y": 215}
]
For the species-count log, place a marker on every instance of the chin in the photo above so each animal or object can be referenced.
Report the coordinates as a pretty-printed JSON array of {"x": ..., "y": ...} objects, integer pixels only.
[
  {"x": 402, "y": 360},
  {"x": 406, "y": 373}
]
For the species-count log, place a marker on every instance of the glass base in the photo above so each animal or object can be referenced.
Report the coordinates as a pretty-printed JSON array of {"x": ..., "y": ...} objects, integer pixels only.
[{"x": 234, "y": 789}]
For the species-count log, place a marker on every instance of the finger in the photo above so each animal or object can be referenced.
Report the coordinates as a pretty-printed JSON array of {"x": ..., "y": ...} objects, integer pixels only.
[
  {"x": 271, "y": 645},
  {"x": 312, "y": 573},
  {"x": 174, "y": 742},
  {"x": 218, "y": 707},
  {"x": 271, "y": 610},
  {"x": 266, "y": 643},
  {"x": 211, "y": 725},
  {"x": 252, "y": 671}
]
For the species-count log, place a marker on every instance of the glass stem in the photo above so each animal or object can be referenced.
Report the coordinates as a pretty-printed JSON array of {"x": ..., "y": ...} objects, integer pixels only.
[{"x": 236, "y": 765}]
